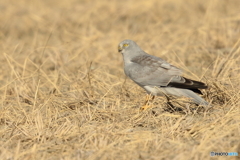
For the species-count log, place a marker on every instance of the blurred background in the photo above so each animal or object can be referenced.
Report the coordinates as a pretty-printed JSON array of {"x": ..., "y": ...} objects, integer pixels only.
[{"x": 176, "y": 30}]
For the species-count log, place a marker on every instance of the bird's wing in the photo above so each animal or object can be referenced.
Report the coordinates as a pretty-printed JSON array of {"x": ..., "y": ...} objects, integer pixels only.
[{"x": 153, "y": 71}]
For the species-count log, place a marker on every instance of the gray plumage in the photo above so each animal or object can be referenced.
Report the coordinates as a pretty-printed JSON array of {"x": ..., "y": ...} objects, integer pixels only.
[{"x": 157, "y": 76}]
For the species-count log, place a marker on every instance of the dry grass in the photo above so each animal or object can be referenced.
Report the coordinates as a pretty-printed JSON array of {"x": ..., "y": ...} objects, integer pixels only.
[{"x": 63, "y": 90}]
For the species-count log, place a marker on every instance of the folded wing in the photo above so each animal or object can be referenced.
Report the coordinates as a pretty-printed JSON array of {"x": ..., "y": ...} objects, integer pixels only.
[{"x": 153, "y": 71}]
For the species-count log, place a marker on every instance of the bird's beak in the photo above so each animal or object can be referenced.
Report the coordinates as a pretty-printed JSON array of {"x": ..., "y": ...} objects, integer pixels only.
[{"x": 119, "y": 49}]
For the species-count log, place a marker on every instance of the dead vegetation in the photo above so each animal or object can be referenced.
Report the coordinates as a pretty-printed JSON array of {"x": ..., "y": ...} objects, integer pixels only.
[{"x": 64, "y": 94}]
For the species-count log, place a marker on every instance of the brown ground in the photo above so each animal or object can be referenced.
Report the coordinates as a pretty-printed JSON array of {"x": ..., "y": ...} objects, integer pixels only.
[{"x": 63, "y": 89}]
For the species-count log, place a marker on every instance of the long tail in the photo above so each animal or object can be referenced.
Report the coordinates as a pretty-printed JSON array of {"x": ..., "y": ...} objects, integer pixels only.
[{"x": 187, "y": 93}]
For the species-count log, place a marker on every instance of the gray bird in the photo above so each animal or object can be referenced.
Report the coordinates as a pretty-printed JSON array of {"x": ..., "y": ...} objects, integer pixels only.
[{"x": 157, "y": 76}]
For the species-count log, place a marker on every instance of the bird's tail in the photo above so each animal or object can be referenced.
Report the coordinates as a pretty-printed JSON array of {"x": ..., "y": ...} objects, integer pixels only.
[
  {"x": 196, "y": 98},
  {"x": 187, "y": 93}
]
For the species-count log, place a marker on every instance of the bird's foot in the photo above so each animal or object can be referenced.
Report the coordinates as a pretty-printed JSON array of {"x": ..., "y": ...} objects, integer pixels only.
[{"x": 145, "y": 107}]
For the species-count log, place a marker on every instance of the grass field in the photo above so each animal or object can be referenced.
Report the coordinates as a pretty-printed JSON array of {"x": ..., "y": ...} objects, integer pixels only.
[{"x": 64, "y": 94}]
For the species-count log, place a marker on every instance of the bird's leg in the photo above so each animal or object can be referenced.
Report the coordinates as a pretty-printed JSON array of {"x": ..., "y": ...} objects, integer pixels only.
[{"x": 146, "y": 105}]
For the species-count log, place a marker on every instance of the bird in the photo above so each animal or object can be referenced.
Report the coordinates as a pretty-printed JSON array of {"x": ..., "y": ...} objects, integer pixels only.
[{"x": 156, "y": 76}]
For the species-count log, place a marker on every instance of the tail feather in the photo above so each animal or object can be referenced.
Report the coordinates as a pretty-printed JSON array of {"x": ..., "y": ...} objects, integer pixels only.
[
  {"x": 187, "y": 93},
  {"x": 196, "y": 98}
]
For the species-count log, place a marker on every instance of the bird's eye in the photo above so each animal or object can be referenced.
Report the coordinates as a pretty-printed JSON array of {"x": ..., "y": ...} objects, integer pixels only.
[{"x": 125, "y": 45}]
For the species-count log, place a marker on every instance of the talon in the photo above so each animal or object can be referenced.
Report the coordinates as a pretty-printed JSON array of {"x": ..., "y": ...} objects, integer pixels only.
[
  {"x": 145, "y": 107},
  {"x": 146, "y": 103}
]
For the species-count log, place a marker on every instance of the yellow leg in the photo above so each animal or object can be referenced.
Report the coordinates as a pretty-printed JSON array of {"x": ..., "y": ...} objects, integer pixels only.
[{"x": 146, "y": 105}]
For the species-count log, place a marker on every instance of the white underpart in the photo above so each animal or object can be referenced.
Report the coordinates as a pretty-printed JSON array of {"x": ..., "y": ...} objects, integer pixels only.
[
  {"x": 156, "y": 91},
  {"x": 160, "y": 91}
]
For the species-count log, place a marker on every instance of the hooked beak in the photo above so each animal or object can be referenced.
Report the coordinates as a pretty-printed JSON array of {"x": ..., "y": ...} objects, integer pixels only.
[{"x": 119, "y": 49}]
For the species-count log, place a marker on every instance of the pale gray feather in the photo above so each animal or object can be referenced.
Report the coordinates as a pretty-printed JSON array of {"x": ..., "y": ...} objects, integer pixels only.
[{"x": 150, "y": 72}]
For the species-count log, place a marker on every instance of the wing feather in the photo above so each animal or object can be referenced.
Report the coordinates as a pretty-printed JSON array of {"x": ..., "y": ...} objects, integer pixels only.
[{"x": 154, "y": 71}]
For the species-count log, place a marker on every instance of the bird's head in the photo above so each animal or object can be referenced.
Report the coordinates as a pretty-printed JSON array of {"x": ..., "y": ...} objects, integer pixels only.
[{"x": 126, "y": 45}]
